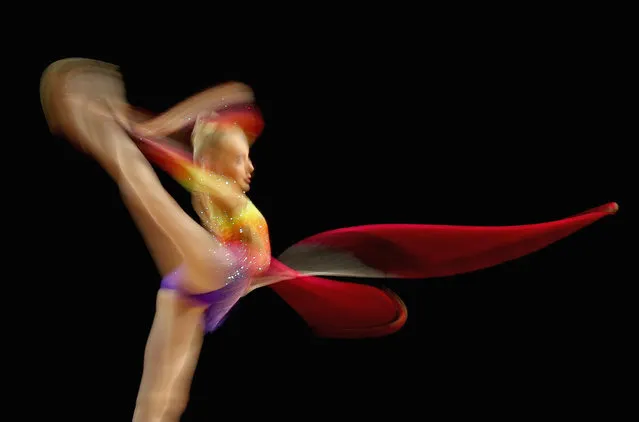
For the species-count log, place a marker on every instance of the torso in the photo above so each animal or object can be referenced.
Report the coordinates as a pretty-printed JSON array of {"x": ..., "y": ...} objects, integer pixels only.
[{"x": 246, "y": 229}]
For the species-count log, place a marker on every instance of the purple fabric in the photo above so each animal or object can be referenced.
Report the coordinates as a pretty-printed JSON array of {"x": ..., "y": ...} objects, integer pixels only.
[{"x": 219, "y": 301}]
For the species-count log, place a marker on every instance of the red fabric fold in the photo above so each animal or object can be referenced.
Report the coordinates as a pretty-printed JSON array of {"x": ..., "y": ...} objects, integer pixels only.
[{"x": 341, "y": 309}]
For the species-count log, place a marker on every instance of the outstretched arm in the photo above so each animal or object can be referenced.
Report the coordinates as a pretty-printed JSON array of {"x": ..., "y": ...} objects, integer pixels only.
[{"x": 184, "y": 113}]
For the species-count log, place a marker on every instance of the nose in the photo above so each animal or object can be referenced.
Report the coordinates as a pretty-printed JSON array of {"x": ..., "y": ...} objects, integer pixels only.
[{"x": 250, "y": 167}]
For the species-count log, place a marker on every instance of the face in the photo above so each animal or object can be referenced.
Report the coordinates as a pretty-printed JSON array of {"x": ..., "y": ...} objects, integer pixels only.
[{"x": 230, "y": 158}]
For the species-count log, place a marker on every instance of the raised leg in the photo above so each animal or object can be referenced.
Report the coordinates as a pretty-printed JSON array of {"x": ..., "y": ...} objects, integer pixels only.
[{"x": 73, "y": 95}]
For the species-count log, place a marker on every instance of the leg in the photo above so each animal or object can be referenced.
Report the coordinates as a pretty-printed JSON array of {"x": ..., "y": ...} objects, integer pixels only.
[
  {"x": 170, "y": 359},
  {"x": 71, "y": 91},
  {"x": 172, "y": 236}
]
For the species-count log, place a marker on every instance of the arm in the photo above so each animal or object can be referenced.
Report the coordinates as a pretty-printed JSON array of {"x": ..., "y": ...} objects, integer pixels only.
[{"x": 184, "y": 113}]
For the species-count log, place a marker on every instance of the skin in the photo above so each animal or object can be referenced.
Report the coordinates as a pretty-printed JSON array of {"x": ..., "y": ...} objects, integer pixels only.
[{"x": 77, "y": 97}]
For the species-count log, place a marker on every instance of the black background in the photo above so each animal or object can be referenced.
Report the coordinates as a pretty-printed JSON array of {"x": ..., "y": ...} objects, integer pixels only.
[{"x": 473, "y": 128}]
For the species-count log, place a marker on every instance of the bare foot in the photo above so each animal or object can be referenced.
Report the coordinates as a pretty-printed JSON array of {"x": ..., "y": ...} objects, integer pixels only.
[{"x": 74, "y": 90}]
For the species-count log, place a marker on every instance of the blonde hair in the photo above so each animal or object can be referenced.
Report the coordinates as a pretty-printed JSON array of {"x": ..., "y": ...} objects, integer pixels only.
[{"x": 207, "y": 136}]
